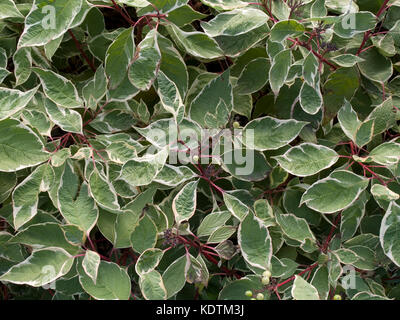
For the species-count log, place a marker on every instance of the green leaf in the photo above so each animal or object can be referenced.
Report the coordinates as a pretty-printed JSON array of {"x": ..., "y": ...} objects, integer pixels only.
[
  {"x": 68, "y": 120},
  {"x": 235, "y": 22},
  {"x": 185, "y": 202},
  {"x": 375, "y": 66},
  {"x": 12, "y": 101},
  {"x": 279, "y": 70},
  {"x": 118, "y": 57},
  {"x": 255, "y": 242},
  {"x": 212, "y": 222},
  {"x": 144, "y": 235},
  {"x": 23, "y": 63},
  {"x": 253, "y": 77},
  {"x": 346, "y": 60},
  {"x": 152, "y": 286},
  {"x": 26, "y": 194},
  {"x": 9, "y": 10},
  {"x": 334, "y": 193},
  {"x": 302, "y": 290},
  {"x": 307, "y": 159},
  {"x": 142, "y": 171},
  {"x": 75, "y": 202},
  {"x": 90, "y": 264},
  {"x": 245, "y": 164},
  {"x": 354, "y": 23},
  {"x": 386, "y": 154},
  {"x": 48, "y": 234},
  {"x": 58, "y": 89},
  {"x": 217, "y": 90},
  {"x": 268, "y": 133},
  {"x": 103, "y": 192},
  {"x": 173, "y": 176},
  {"x": 236, "y": 207},
  {"x": 148, "y": 261},
  {"x": 284, "y": 29},
  {"x": 21, "y": 147},
  {"x": 388, "y": 233},
  {"x": 383, "y": 193},
  {"x": 174, "y": 277},
  {"x": 48, "y": 20},
  {"x": 295, "y": 228},
  {"x": 225, "y": 5},
  {"x": 310, "y": 98},
  {"x": 113, "y": 283},
  {"x": 146, "y": 62},
  {"x": 195, "y": 43},
  {"x": 40, "y": 268}
]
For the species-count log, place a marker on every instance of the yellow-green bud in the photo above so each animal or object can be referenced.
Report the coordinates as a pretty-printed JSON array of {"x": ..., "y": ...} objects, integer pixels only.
[
  {"x": 265, "y": 281},
  {"x": 267, "y": 274},
  {"x": 236, "y": 125},
  {"x": 260, "y": 296},
  {"x": 248, "y": 293},
  {"x": 196, "y": 158},
  {"x": 337, "y": 297}
]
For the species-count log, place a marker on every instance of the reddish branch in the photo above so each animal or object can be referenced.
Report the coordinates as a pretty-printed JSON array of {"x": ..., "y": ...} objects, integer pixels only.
[{"x": 79, "y": 47}]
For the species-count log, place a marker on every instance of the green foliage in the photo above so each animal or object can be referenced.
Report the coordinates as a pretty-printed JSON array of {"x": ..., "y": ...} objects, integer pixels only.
[{"x": 199, "y": 150}]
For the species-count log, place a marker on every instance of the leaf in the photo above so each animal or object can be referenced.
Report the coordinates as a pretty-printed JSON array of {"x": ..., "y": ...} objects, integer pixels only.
[
  {"x": 388, "y": 233},
  {"x": 103, "y": 192},
  {"x": 253, "y": 77},
  {"x": 284, "y": 29},
  {"x": 26, "y": 194},
  {"x": 9, "y": 10},
  {"x": 90, "y": 264},
  {"x": 302, "y": 290},
  {"x": 48, "y": 20},
  {"x": 146, "y": 62},
  {"x": 383, "y": 193},
  {"x": 40, "y": 268},
  {"x": 334, "y": 193},
  {"x": 75, "y": 202},
  {"x": 113, "y": 283},
  {"x": 279, "y": 70},
  {"x": 236, "y": 207},
  {"x": 195, "y": 43},
  {"x": 225, "y": 5},
  {"x": 375, "y": 66},
  {"x": 268, "y": 133},
  {"x": 354, "y": 23},
  {"x": 386, "y": 154},
  {"x": 118, "y": 57},
  {"x": 184, "y": 203},
  {"x": 152, "y": 287},
  {"x": 58, "y": 89},
  {"x": 144, "y": 235},
  {"x": 12, "y": 101},
  {"x": 68, "y": 120},
  {"x": 307, "y": 159},
  {"x": 346, "y": 60},
  {"x": 295, "y": 228},
  {"x": 48, "y": 234},
  {"x": 310, "y": 98},
  {"x": 217, "y": 90},
  {"x": 23, "y": 63},
  {"x": 148, "y": 261},
  {"x": 212, "y": 222},
  {"x": 174, "y": 277},
  {"x": 142, "y": 171},
  {"x": 245, "y": 164},
  {"x": 255, "y": 242},
  {"x": 174, "y": 175},
  {"x": 235, "y": 22}
]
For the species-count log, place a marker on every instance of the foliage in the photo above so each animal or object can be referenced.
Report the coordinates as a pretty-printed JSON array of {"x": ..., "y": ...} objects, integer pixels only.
[{"x": 109, "y": 188}]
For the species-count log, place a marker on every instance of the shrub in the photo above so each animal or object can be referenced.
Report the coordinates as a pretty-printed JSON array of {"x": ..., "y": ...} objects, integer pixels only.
[{"x": 199, "y": 150}]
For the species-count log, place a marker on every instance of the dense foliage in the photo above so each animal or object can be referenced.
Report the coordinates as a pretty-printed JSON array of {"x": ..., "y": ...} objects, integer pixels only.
[{"x": 212, "y": 149}]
